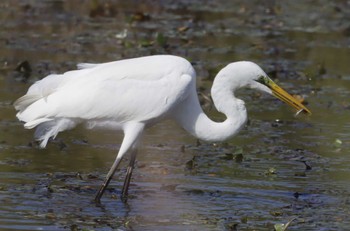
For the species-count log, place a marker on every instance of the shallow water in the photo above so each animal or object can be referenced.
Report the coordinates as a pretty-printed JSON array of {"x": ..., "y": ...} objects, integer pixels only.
[{"x": 278, "y": 168}]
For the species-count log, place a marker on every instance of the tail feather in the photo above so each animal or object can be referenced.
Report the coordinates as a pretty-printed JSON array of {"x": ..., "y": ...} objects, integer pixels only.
[
  {"x": 26, "y": 100},
  {"x": 34, "y": 123},
  {"x": 43, "y": 133},
  {"x": 46, "y": 130},
  {"x": 35, "y": 111}
]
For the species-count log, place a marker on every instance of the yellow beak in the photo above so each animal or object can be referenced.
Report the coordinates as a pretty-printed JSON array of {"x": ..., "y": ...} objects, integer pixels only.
[{"x": 286, "y": 97}]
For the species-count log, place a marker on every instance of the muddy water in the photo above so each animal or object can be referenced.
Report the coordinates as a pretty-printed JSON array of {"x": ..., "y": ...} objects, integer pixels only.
[{"x": 278, "y": 168}]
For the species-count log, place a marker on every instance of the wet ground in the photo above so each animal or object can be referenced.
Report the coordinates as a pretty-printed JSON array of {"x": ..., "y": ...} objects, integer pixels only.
[{"x": 278, "y": 168}]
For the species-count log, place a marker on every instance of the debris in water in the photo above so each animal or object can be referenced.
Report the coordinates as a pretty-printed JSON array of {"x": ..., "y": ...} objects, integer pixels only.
[
  {"x": 182, "y": 28},
  {"x": 337, "y": 143},
  {"x": 161, "y": 40},
  {"x": 239, "y": 158},
  {"x": 283, "y": 227},
  {"x": 227, "y": 156},
  {"x": 296, "y": 195},
  {"x": 122, "y": 35},
  {"x": 24, "y": 71},
  {"x": 183, "y": 148},
  {"x": 298, "y": 112},
  {"x": 308, "y": 167},
  {"x": 300, "y": 174},
  {"x": 276, "y": 213},
  {"x": 140, "y": 17},
  {"x": 271, "y": 171},
  {"x": 322, "y": 69},
  {"x": 24, "y": 67},
  {"x": 190, "y": 164}
]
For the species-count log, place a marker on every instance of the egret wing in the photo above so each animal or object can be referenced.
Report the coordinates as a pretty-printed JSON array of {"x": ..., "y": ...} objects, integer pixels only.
[{"x": 141, "y": 88}]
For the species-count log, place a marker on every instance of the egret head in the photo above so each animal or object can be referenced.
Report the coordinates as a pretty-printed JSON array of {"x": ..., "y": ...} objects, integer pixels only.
[
  {"x": 249, "y": 74},
  {"x": 263, "y": 83}
]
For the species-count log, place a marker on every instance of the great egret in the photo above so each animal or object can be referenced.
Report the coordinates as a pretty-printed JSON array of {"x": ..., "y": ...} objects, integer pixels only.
[{"x": 133, "y": 94}]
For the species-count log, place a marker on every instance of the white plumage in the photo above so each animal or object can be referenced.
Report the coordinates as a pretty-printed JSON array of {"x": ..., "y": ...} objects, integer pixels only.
[
  {"x": 133, "y": 94},
  {"x": 98, "y": 95}
]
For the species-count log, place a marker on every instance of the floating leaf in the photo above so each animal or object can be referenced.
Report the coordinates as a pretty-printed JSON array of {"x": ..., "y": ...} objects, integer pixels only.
[
  {"x": 122, "y": 35},
  {"x": 50, "y": 216},
  {"x": 161, "y": 40},
  {"x": 146, "y": 43},
  {"x": 127, "y": 44},
  {"x": 227, "y": 156},
  {"x": 182, "y": 29},
  {"x": 244, "y": 220},
  {"x": 271, "y": 171},
  {"x": 276, "y": 213},
  {"x": 238, "y": 151},
  {"x": 283, "y": 227},
  {"x": 279, "y": 227},
  {"x": 337, "y": 143}
]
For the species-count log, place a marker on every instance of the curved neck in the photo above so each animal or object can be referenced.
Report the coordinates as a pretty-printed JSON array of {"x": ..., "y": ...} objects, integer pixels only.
[{"x": 192, "y": 118}]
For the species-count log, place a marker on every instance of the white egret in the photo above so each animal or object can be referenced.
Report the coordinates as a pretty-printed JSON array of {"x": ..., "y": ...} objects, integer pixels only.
[{"x": 133, "y": 94}]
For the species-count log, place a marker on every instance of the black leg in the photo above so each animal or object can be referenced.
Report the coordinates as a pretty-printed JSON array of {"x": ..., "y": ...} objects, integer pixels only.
[
  {"x": 107, "y": 180},
  {"x": 132, "y": 133},
  {"x": 124, "y": 196}
]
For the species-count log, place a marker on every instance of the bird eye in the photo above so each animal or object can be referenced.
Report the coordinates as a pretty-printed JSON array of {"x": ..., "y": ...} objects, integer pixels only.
[{"x": 262, "y": 80}]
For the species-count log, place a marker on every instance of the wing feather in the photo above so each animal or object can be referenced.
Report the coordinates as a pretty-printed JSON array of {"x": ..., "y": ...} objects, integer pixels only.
[
  {"x": 86, "y": 65},
  {"x": 138, "y": 89}
]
